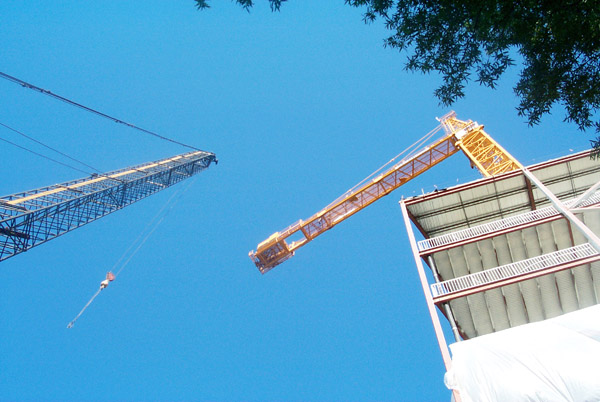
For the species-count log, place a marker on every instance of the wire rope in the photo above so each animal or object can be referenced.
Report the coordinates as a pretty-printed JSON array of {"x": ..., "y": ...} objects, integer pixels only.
[
  {"x": 49, "y": 147},
  {"x": 55, "y": 150},
  {"x": 43, "y": 156},
  {"x": 158, "y": 219},
  {"x": 88, "y": 109},
  {"x": 409, "y": 152},
  {"x": 150, "y": 228},
  {"x": 70, "y": 325}
]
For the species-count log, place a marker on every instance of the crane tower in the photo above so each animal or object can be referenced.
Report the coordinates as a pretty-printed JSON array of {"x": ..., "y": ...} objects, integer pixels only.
[{"x": 36, "y": 216}]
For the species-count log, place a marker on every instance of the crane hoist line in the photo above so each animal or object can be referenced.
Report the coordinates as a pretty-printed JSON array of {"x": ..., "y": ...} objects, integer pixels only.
[{"x": 468, "y": 136}]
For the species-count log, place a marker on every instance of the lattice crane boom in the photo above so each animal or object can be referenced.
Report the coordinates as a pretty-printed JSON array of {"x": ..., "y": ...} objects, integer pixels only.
[
  {"x": 485, "y": 154},
  {"x": 33, "y": 217}
]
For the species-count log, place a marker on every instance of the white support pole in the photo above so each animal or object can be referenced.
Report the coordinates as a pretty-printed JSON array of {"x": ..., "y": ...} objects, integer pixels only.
[
  {"x": 590, "y": 191},
  {"x": 435, "y": 319},
  {"x": 563, "y": 210}
]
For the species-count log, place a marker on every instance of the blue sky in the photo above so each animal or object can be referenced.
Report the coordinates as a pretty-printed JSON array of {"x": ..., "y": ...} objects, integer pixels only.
[{"x": 298, "y": 106}]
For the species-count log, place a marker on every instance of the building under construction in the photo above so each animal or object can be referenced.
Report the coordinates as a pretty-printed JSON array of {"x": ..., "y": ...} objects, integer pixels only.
[
  {"x": 516, "y": 248},
  {"x": 519, "y": 246}
]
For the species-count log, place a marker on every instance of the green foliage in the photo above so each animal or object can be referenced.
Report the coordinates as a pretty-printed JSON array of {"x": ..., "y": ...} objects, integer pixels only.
[
  {"x": 559, "y": 43},
  {"x": 246, "y": 4},
  {"x": 595, "y": 148}
]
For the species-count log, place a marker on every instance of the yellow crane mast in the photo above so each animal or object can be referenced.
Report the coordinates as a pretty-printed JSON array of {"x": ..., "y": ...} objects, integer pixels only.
[{"x": 484, "y": 153}]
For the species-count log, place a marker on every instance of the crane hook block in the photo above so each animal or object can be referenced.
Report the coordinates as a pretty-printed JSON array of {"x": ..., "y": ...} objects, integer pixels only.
[{"x": 109, "y": 278}]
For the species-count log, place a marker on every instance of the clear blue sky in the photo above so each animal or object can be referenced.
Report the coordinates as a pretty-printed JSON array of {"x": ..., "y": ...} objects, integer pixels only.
[{"x": 298, "y": 106}]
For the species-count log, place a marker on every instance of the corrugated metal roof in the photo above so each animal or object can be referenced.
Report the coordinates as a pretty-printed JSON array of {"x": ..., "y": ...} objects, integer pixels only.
[
  {"x": 491, "y": 199},
  {"x": 498, "y": 197}
]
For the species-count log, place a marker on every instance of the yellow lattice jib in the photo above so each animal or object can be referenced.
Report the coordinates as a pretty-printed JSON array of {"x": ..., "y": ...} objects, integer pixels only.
[
  {"x": 489, "y": 157},
  {"x": 485, "y": 153}
]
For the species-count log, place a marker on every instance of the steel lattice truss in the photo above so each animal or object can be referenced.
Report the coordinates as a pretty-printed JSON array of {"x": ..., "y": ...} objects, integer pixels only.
[
  {"x": 33, "y": 217},
  {"x": 275, "y": 250},
  {"x": 468, "y": 136}
]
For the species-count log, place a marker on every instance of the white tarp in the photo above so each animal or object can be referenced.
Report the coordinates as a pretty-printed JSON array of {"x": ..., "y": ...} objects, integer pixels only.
[{"x": 553, "y": 360}]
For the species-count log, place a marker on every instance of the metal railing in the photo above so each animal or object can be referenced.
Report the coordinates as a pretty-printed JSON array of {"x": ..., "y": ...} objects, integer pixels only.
[
  {"x": 501, "y": 224},
  {"x": 513, "y": 270}
]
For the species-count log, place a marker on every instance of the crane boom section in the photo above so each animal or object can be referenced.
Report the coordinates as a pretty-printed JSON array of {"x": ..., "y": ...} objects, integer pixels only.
[
  {"x": 276, "y": 250},
  {"x": 34, "y": 217},
  {"x": 45, "y": 196},
  {"x": 376, "y": 188},
  {"x": 483, "y": 151}
]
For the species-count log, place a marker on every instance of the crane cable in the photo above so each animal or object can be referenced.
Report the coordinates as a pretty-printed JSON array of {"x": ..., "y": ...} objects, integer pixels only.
[
  {"x": 158, "y": 218},
  {"x": 96, "y": 112},
  {"x": 140, "y": 240},
  {"x": 48, "y": 147},
  {"x": 70, "y": 325},
  {"x": 55, "y": 150},
  {"x": 408, "y": 153},
  {"x": 43, "y": 156}
]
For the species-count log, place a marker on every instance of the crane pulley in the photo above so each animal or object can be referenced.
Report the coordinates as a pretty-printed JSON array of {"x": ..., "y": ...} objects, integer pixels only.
[{"x": 468, "y": 136}]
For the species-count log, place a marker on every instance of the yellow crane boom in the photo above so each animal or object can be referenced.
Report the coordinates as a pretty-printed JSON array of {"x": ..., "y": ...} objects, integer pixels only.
[{"x": 485, "y": 154}]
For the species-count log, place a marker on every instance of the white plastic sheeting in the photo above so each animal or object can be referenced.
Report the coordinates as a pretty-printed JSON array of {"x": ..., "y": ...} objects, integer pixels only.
[{"x": 553, "y": 360}]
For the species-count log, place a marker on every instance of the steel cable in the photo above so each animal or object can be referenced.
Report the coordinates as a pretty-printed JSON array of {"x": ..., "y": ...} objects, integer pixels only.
[{"x": 96, "y": 112}]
